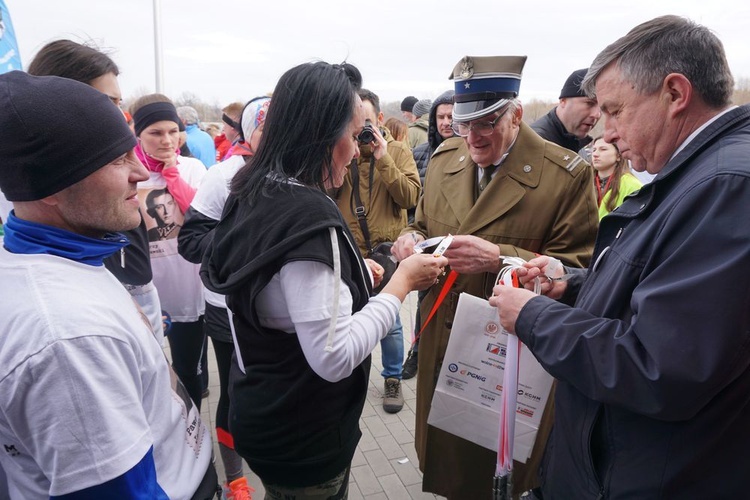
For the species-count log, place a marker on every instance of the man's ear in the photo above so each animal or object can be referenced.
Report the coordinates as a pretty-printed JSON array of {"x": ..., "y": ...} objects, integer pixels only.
[
  {"x": 518, "y": 115},
  {"x": 381, "y": 119},
  {"x": 677, "y": 91}
]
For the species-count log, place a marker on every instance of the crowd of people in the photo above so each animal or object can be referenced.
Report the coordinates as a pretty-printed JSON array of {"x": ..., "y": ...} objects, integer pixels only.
[{"x": 292, "y": 235}]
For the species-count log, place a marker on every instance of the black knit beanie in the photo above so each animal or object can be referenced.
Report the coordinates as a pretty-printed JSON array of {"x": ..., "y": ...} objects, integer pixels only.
[
  {"x": 55, "y": 132},
  {"x": 572, "y": 87},
  {"x": 408, "y": 103}
]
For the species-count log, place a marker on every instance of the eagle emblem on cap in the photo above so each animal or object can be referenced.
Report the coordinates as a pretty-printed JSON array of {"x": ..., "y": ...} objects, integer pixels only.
[{"x": 467, "y": 67}]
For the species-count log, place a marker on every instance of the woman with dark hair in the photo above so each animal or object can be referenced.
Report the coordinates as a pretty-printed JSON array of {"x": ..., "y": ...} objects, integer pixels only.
[
  {"x": 69, "y": 59},
  {"x": 613, "y": 181},
  {"x": 165, "y": 196},
  {"x": 131, "y": 266},
  {"x": 299, "y": 290}
]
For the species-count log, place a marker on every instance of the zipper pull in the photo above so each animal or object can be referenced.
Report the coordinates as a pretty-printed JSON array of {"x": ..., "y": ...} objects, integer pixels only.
[{"x": 122, "y": 258}]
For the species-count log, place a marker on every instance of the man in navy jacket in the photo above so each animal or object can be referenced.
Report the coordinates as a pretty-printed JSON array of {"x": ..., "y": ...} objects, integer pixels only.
[{"x": 651, "y": 344}]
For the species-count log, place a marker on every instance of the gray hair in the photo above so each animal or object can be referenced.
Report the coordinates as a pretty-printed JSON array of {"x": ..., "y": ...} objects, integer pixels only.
[
  {"x": 514, "y": 105},
  {"x": 664, "y": 45},
  {"x": 188, "y": 114}
]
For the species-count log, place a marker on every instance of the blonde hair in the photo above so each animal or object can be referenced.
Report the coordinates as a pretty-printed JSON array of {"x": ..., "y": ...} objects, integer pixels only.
[{"x": 398, "y": 129}]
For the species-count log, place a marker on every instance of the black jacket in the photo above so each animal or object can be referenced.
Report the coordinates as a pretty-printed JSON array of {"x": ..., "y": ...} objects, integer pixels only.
[
  {"x": 291, "y": 426},
  {"x": 551, "y": 128}
]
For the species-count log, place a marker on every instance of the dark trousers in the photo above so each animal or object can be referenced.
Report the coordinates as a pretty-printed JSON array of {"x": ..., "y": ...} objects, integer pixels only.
[
  {"x": 223, "y": 352},
  {"x": 186, "y": 345}
]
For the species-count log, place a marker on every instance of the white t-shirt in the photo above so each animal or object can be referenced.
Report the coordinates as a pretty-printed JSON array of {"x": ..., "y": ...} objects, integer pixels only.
[
  {"x": 177, "y": 280},
  {"x": 85, "y": 389},
  {"x": 210, "y": 200}
]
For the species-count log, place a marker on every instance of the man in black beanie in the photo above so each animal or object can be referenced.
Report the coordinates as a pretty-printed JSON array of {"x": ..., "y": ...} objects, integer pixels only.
[
  {"x": 569, "y": 123},
  {"x": 85, "y": 64},
  {"x": 91, "y": 408},
  {"x": 406, "y": 107}
]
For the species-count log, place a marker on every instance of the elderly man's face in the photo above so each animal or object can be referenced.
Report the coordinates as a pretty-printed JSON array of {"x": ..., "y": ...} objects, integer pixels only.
[
  {"x": 637, "y": 123},
  {"x": 487, "y": 150},
  {"x": 579, "y": 115}
]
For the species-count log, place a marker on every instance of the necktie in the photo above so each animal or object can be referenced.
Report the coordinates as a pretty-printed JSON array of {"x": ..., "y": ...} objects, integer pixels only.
[{"x": 486, "y": 176}]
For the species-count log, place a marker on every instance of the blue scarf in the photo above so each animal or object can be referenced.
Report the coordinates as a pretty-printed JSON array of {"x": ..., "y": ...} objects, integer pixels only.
[{"x": 25, "y": 237}]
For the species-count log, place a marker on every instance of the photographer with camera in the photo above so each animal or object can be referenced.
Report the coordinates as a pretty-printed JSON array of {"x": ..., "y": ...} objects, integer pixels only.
[{"x": 376, "y": 192}]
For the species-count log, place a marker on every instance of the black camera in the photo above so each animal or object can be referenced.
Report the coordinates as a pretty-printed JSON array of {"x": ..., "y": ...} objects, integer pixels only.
[{"x": 368, "y": 133}]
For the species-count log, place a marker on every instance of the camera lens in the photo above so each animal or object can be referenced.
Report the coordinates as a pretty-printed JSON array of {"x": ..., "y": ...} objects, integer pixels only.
[{"x": 367, "y": 135}]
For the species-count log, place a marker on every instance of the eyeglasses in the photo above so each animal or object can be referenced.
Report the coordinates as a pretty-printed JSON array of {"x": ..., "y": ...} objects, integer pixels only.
[{"x": 462, "y": 129}]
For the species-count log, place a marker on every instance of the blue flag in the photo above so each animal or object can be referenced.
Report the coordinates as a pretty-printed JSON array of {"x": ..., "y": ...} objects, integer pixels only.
[{"x": 10, "y": 58}]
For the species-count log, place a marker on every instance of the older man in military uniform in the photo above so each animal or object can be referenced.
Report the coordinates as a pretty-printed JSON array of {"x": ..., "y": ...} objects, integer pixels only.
[{"x": 502, "y": 190}]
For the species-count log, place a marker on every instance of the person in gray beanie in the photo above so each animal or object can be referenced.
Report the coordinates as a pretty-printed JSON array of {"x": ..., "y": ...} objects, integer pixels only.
[
  {"x": 90, "y": 406},
  {"x": 418, "y": 129}
]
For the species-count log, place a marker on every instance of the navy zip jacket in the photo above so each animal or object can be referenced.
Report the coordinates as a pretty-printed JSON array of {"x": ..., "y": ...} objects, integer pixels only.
[{"x": 653, "y": 399}]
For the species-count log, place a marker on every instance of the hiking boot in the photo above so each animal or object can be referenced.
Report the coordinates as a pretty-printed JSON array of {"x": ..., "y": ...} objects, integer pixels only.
[
  {"x": 393, "y": 399},
  {"x": 237, "y": 490},
  {"x": 410, "y": 365}
]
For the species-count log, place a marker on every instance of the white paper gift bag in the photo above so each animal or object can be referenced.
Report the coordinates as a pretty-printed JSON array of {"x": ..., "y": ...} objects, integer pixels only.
[{"x": 468, "y": 397}]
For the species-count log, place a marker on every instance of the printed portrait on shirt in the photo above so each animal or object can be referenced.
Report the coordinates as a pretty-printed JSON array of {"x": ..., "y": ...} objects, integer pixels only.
[{"x": 162, "y": 214}]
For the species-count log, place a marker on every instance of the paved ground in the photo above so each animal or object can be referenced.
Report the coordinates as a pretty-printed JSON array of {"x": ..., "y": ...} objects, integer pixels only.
[{"x": 385, "y": 464}]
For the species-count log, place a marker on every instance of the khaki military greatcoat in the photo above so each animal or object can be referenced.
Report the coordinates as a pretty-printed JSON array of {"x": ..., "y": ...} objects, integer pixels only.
[{"x": 540, "y": 201}]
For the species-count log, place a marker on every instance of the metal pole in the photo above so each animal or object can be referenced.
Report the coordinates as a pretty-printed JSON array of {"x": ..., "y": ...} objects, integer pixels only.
[{"x": 158, "y": 60}]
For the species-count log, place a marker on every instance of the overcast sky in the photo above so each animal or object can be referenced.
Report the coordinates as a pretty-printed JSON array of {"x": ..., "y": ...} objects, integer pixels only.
[{"x": 231, "y": 50}]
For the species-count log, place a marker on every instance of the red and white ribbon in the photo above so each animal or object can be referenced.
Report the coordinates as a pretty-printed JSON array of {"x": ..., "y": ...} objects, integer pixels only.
[{"x": 508, "y": 277}]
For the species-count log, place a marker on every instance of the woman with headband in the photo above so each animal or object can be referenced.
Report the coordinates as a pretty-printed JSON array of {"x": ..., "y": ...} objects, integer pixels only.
[{"x": 166, "y": 197}]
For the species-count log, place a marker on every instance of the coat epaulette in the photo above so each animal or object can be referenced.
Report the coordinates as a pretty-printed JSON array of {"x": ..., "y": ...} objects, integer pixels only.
[
  {"x": 450, "y": 144},
  {"x": 564, "y": 158}
]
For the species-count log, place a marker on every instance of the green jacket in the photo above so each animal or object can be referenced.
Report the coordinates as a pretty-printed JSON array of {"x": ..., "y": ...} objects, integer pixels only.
[
  {"x": 418, "y": 131},
  {"x": 628, "y": 184}
]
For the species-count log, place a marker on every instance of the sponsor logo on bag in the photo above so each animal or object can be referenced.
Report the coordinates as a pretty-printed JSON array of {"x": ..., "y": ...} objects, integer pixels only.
[
  {"x": 526, "y": 411},
  {"x": 529, "y": 395},
  {"x": 494, "y": 364},
  {"x": 474, "y": 375},
  {"x": 487, "y": 396},
  {"x": 453, "y": 367},
  {"x": 491, "y": 328},
  {"x": 497, "y": 349}
]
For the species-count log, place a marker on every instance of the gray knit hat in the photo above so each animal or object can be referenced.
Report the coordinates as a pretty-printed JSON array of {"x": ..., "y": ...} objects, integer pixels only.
[
  {"x": 422, "y": 107},
  {"x": 55, "y": 132}
]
